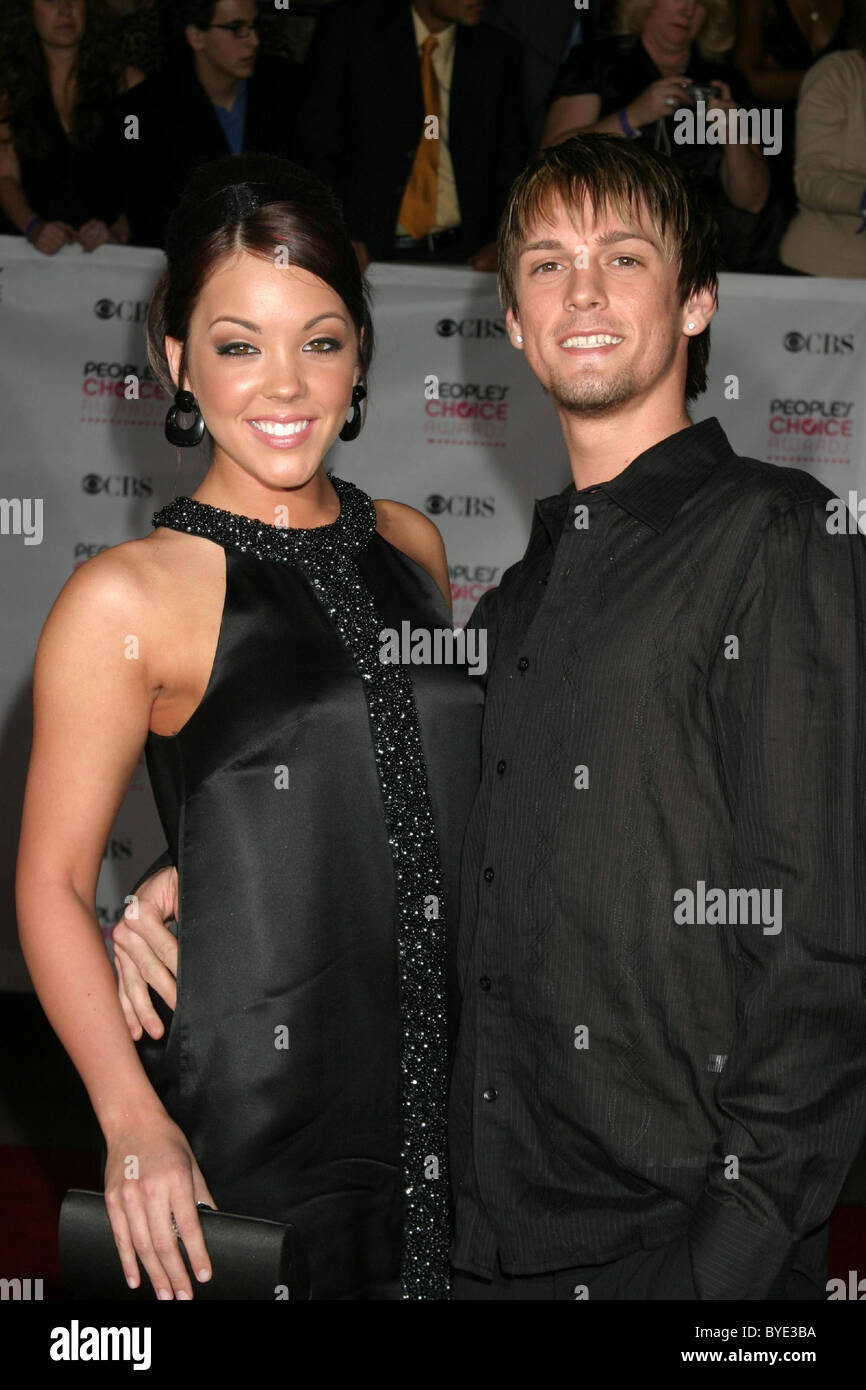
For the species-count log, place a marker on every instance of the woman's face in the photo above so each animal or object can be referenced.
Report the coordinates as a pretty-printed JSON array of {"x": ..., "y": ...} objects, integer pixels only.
[
  {"x": 272, "y": 356},
  {"x": 675, "y": 23},
  {"x": 60, "y": 23}
]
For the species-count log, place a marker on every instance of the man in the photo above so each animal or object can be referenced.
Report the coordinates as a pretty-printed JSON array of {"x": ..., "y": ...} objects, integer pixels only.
[
  {"x": 221, "y": 97},
  {"x": 659, "y": 1085},
  {"x": 660, "y": 1076},
  {"x": 414, "y": 115}
]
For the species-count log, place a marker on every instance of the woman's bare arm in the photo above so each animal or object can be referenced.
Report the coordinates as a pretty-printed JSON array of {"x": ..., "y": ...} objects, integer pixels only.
[
  {"x": 92, "y": 701},
  {"x": 571, "y": 115}
]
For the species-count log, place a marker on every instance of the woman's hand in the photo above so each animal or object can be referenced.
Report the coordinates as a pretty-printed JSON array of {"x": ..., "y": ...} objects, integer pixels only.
[
  {"x": 660, "y": 98},
  {"x": 721, "y": 98},
  {"x": 151, "y": 1177},
  {"x": 145, "y": 953},
  {"x": 94, "y": 233},
  {"x": 51, "y": 237}
]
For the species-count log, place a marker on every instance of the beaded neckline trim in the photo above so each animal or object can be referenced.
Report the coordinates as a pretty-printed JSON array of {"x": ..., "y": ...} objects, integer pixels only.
[{"x": 350, "y": 532}]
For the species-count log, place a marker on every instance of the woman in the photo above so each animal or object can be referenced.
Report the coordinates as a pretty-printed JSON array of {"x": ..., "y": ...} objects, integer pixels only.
[
  {"x": 632, "y": 84},
  {"x": 312, "y": 795},
  {"x": 777, "y": 42},
  {"x": 826, "y": 236},
  {"x": 59, "y": 77}
]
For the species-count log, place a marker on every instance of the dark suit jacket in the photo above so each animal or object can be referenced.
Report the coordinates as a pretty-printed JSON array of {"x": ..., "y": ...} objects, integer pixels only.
[
  {"x": 362, "y": 116},
  {"x": 543, "y": 31},
  {"x": 179, "y": 129}
]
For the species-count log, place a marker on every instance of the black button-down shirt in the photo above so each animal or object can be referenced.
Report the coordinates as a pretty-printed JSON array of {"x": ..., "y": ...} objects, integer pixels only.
[{"x": 662, "y": 954}]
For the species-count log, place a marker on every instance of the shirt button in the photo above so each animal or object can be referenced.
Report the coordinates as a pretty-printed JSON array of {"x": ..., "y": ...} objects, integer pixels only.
[
  {"x": 523, "y": 663},
  {"x": 500, "y": 766},
  {"x": 491, "y": 1093},
  {"x": 484, "y": 982},
  {"x": 488, "y": 875}
]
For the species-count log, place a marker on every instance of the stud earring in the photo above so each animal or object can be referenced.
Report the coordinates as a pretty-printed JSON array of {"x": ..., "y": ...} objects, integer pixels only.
[
  {"x": 691, "y": 325},
  {"x": 518, "y": 338}
]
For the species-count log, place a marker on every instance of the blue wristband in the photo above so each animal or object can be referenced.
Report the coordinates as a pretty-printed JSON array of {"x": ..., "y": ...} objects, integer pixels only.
[
  {"x": 626, "y": 125},
  {"x": 30, "y": 225}
]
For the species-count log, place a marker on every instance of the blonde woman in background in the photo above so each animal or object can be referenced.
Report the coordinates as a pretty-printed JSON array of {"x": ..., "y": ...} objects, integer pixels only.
[{"x": 662, "y": 56}]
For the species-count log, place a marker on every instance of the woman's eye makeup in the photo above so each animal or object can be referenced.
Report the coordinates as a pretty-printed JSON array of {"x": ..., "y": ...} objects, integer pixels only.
[
  {"x": 323, "y": 345},
  {"x": 228, "y": 349},
  {"x": 319, "y": 345}
]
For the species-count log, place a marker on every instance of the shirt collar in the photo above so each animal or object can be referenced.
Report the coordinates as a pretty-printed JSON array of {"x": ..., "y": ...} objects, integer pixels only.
[
  {"x": 238, "y": 101},
  {"x": 656, "y": 484},
  {"x": 446, "y": 39}
]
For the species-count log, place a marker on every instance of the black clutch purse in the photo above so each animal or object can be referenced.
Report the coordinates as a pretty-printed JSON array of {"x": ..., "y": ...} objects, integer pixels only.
[{"x": 250, "y": 1258}]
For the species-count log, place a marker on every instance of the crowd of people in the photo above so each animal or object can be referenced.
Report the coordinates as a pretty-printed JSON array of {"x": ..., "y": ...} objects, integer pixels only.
[{"x": 420, "y": 115}]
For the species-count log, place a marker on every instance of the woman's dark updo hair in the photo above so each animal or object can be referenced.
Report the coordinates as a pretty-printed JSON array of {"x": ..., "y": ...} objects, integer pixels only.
[{"x": 269, "y": 207}]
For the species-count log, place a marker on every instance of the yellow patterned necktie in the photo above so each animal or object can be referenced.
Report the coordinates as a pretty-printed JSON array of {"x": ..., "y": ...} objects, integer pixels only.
[{"x": 418, "y": 208}]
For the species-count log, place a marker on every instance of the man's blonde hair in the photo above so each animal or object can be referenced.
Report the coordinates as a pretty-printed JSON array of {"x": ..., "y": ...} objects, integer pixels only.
[{"x": 636, "y": 184}]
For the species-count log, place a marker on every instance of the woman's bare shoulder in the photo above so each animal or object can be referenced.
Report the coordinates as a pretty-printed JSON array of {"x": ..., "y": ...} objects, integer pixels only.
[
  {"x": 132, "y": 577},
  {"x": 417, "y": 536},
  {"x": 408, "y": 529}
]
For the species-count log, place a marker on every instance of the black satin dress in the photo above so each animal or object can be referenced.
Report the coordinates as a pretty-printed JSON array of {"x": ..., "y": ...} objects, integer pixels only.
[{"x": 314, "y": 804}]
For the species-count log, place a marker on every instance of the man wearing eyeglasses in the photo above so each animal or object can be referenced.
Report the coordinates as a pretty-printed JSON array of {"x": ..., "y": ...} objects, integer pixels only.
[{"x": 221, "y": 95}]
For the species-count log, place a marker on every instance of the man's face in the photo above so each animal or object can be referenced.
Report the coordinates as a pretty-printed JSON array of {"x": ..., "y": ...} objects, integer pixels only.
[
  {"x": 457, "y": 11},
  {"x": 222, "y": 50},
  {"x": 581, "y": 275}
]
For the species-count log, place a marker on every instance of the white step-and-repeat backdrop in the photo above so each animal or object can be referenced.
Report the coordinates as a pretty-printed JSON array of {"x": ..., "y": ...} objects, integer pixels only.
[{"x": 84, "y": 468}]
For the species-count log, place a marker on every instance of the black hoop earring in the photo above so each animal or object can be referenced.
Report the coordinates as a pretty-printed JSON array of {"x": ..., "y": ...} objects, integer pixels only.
[
  {"x": 184, "y": 404},
  {"x": 352, "y": 427}
]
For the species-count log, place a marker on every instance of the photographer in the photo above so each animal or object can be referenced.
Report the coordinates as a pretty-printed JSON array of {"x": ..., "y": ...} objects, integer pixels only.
[{"x": 663, "y": 56}]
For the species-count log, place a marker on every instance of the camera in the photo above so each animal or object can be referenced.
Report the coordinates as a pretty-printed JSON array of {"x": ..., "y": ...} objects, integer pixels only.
[{"x": 695, "y": 92}]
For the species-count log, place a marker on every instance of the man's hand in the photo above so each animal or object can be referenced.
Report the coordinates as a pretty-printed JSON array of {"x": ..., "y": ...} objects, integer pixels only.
[
  {"x": 486, "y": 258},
  {"x": 145, "y": 953}
]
